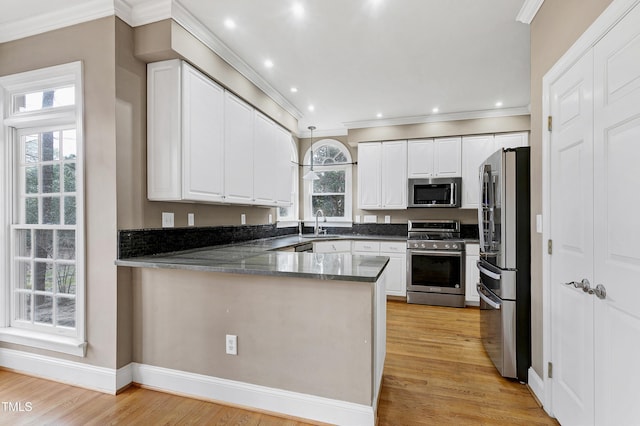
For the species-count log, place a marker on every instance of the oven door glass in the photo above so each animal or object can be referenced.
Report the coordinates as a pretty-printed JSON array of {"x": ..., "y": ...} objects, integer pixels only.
[{"x": 431, "y": 270}]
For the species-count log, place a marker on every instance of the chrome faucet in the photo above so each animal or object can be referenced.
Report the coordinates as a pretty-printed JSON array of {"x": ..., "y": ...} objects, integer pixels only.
[{"x": 318, "y": 227}]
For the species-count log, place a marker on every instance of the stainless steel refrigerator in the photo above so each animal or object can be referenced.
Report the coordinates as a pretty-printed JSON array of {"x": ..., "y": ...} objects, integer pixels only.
[{"x": 505, "y": 261}]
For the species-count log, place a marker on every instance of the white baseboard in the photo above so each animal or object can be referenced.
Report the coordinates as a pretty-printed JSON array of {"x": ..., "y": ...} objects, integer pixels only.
[
  {"x": 74, "y": 373},
  {"x": 109, "y": 380},
  {"x": 253, "y": 396},
  {"x": 536, "y": 384}
]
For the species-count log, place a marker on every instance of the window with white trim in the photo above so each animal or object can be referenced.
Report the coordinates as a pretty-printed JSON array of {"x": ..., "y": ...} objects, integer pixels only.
[
  {"x": 43, "y": 206},
  {"x": 332, "y": 192},
  {"x": 288, "y": 216}
]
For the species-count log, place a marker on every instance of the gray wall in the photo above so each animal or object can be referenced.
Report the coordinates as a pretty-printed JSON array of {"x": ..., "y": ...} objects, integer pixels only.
[
  {"x": 309, "y": 336},
  {"x": 93, "y": 43},
  {"x": 555, "y": 28}
]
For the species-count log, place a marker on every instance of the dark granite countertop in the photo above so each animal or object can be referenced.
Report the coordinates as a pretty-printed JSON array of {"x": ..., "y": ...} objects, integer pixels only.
[{"x": 261, "y": 257}]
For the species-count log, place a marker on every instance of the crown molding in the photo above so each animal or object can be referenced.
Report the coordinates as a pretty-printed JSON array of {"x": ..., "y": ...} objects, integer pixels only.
[
  {"x": 182, "y": 16},
  {"x": 528, "y": 11},
  {"x": 64, "y": 17},
  {"x": 142, "y": 12},
  {"x": 467, "y": 115},
  {"x": 325, "y": 133}
]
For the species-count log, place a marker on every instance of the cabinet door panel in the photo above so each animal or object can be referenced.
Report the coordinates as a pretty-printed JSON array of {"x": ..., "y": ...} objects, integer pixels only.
[
  {"x": 396, "y": 281},
  {"x": 512, "y": 140},
  {"x": 264, "y": 164},
  {"x": 420, "y": 158},
  {"x": 202, "y": 137},
  {"x": 164, "y": 151},
  {"x": 475, "y": 149},
  {"x": 394, "y": 175},
  {"x": 369, "y": 176},
  {"x": 448, "y": 157},
  {"x": 238, "y": 150}
]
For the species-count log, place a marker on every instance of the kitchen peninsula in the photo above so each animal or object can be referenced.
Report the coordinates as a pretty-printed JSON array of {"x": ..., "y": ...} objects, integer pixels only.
[{"x": 310, "y": 327}]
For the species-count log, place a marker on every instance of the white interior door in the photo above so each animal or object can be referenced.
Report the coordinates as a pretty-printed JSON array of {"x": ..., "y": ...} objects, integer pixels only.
[
  {"x": 572, "y": 235},
  {"x": 617, "y": 252}
]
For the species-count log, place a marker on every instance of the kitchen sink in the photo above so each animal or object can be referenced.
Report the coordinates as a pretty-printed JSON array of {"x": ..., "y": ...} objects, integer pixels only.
[{"x": 321, "y": 236}]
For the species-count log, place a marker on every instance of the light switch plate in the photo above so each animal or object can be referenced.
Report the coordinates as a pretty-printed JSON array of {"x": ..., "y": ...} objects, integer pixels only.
[
  {"x": 387, "y": 219},
  {"x": 243, "y": 219},
  {"x": 357, "y": 218},
  {"x": 191, "y": 219},
  {"x": 370, "y": 218},
  {"x": 270, "y": 218}
]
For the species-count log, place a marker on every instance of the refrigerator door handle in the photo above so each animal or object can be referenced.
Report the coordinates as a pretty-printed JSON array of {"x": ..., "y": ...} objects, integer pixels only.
[
  {"x": 486, "y": 299},
  {"x": 488, "y": 273}
]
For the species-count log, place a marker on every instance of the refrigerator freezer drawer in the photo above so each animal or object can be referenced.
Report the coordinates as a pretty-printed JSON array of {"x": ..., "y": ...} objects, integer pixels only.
[{"x": 498, "y": 330}]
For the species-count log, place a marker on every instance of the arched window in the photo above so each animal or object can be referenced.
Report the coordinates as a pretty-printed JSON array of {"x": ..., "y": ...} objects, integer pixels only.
[
  {"x": 332, "y": 192},
  {"x": 288, "y": 215}
]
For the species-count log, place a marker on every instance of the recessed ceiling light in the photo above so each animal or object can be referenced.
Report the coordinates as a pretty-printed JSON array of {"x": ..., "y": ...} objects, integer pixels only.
[
  {"x": 435, "y": 110},
  {"x": 229, "y": 23},
  {"x": 379, "y": 115},
  {"x": 298, "y": 10},
  {"x": 268, "y": 63},
  {"x": 294, "y": 90},
  {"x": 312, "y": 108},
  {"x": 499, "y": 104}
]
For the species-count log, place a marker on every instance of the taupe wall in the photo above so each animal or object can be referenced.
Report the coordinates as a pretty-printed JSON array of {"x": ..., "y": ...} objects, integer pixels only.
[
  {"x": 555, "y": 28},
  {"x": 309, "y": 336},
  {"x": 93, "y": 43}
]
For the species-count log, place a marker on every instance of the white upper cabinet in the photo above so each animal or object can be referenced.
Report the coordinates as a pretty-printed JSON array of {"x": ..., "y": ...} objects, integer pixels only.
[
  {"x": 206, "y": 145},
  {"x": 238, "y": 153},
  {"x": 382, "y": 175},
  {"x": 448, "y": 157},
  {"x": 440, "y": 157},
  {"x": 369, "y": 175},
  {"x": 511, "y": 140},
  {"x": 266, "y": 152},
  {"x": 475, "y": 149},
  {"x": 185, "y": 134},
  {"x": 421, "y": 153}
]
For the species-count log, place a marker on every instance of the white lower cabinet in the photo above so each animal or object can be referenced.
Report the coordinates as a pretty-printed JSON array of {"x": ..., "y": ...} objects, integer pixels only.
[
  {"x": 396, "y": 282},
  {"x": 472, "y": 274},
  {"x": 340, "y": 246}
]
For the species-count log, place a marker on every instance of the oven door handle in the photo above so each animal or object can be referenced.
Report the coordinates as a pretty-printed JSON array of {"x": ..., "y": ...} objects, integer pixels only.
[
  {"x": 486, "y": 299},
  {"x": 437, "y": 253},
  {"x": 489, "y": 273}
]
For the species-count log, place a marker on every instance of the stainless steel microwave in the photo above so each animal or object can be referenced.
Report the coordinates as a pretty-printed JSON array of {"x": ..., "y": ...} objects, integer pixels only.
[{"x": 435, "y": 192}]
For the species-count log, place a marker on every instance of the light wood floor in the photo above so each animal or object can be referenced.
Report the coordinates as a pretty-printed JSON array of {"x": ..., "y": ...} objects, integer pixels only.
[{"x": 436, "y": 373}]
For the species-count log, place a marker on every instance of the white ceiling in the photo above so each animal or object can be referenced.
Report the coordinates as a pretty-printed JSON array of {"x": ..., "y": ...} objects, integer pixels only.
[{"x": 354, "y": 59}]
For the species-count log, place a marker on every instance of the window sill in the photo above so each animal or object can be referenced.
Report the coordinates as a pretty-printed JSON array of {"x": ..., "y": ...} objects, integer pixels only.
[{"x": 34, "y": 339}]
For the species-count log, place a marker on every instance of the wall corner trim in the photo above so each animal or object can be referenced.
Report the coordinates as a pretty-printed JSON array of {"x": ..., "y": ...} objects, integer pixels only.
[{"x": 272, "y": 400}]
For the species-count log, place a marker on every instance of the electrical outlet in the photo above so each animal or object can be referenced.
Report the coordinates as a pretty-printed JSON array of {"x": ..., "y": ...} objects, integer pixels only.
[
  {"x": 232, "y": 344},
  {"x": 357, "y": 218},
  {"x": 191, "y": 219},
  {"x": 167, "y": 220},
  {"x": 387, "y": 219},
  {"x": 270, "y": 218},
  {"x": 243, "y": 219}
]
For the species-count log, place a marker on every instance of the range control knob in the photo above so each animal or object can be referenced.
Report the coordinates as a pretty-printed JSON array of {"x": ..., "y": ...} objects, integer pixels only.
[
  {"x": 435, "y": 245},
  {"x": 455, "y": 246},
  {"x": 447, "y": 246},
  {"x": 423, "y": 245}
]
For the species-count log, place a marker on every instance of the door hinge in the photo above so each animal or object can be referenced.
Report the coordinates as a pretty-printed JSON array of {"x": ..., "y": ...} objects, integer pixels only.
[
  {"x": 549, "y": 123},
  {"x": 550, "y": 247},
  {"x": 550, "y": 370}
]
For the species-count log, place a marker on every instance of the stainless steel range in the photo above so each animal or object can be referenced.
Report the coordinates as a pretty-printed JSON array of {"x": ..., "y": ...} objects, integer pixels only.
[{"x": 435, "y": 263}]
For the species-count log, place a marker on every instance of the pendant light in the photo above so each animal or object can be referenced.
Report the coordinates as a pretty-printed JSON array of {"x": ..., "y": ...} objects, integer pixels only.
[{"x": 311, "y": 175}]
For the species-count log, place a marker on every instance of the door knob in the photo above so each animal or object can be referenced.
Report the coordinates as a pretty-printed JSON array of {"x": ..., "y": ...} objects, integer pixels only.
[
  {"x": 600, "y": 291},
  {"x": 584, "y": 285}
]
